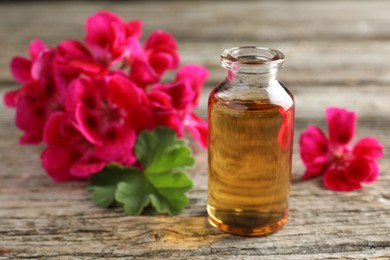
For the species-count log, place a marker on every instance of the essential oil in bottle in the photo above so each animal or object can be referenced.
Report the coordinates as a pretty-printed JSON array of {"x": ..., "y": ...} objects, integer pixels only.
[{"x": 250, "y": 144}]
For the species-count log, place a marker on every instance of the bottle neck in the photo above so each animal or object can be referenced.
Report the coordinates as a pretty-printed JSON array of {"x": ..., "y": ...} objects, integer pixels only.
[
  {"x": 251, "y": 65},
  {"x": 251, "y": 79}
]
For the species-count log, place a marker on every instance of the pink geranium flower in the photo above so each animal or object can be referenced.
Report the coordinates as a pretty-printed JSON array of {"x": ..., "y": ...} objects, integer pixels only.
[
  {"x": 69, "y": 155},
  {"x": 108, "y": 41},
  {"x": 345, "y": 168},
  {"x": 41, "y": 93},
  {"x": 184, "y": 95},
  {"x": 100, "y": 125},
  {"x": 159, "y": 54},
  {"x": 88, "y": 100}
]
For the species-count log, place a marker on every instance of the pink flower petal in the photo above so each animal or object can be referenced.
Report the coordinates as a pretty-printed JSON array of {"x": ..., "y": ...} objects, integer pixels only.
[
  {"x": 341, "y": 125},
  {"x": 316, "y": 169},
  {"x": 158, "y": 39},
  {"x": 362, "y": 169},
  {"x": 60, "y": 131},
  {"x": 36, "y": 47},
  {"x": 140, "y": 119},
  {"x": 11, "y": 98},
  {"x": 105, "y": 35},
  {"x": 21, "y": 69},
  {"x": 173, "y": 121},
  {"x": 72, "y": 50},
  {"x": 162, "y": 61},
  {"x": 83, "y": 91},
  {"x": 74, "y": 55},
  {"x": 131, "y": 102},
  {"x": 374, "y": 172},
  {"x": 89, "y": 68},
  {"x": 181, "y": 94},
  {"x": 133, "y": 28},
  {"x": 159, "y": 55},
  {"x": 42, "y": 65},
  {"x": 368, "y": 146},
  {"x": 313, "y": 144},
  {"x": 117, "y": 46},
  {"x": 142, "y": 73},
  {"x": 160, "y": 99},
  {"x": 88, "y": 123},
  {"x": 31, "y": 115},
  {"x": 63, "y": 76},
  {"x": 195, "y": 76},
  {"x": 124, "y": 93},
  {"x": 52, "y": 134},
  {"x": 161, "y": 52},
  {"x": 197, "y": 127},
  {"x": 118, "y": 145},
  {"x": 185, "y": 91},
  {"x": 31, "y": 137},
  {"x": 98, "y": 28},
  {"x": 86, "y": 169},
  {"x": 57, "y": 160},
  {"x": 133, "y": 51},
  {"x": 335, "y": 179}
]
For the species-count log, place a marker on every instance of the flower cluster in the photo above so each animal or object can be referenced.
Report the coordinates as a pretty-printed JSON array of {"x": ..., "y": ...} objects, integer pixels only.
[
  {"x": 344, "y": 168},
  {"x": 89, "y": 100}
]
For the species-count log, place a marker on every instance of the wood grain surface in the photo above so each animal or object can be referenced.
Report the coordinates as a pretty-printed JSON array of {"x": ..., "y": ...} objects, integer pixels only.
[{"x": 337, "y": 55}]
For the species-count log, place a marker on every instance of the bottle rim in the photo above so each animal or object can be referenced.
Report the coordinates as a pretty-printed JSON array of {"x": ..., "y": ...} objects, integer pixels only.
[{"x": 251, "y": 57}]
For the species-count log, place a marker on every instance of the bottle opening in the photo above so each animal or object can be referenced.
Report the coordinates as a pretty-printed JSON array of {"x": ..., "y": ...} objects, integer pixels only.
[{"x": 251, "y": 59}]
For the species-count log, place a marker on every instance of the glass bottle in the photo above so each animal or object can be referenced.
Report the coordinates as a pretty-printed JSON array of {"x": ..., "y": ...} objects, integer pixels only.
[{"x": 251, "y": 123}]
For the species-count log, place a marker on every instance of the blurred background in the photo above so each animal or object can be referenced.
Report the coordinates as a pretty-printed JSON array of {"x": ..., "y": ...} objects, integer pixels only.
[
  {"x": 336, "y": 51},
  {"x": 329, "y": 45}
]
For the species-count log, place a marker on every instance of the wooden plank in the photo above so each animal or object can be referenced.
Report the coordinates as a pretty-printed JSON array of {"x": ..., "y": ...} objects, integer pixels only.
[
  {"x": 41, "y": 218},
  {"x": 263, "y": 19},
  {"x": 345, "y": 44},
  {"x": 307, "y": 63}
]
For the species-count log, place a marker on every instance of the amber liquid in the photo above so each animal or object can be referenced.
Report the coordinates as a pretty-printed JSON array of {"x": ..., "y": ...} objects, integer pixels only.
[{"x": 249, "y": 165}]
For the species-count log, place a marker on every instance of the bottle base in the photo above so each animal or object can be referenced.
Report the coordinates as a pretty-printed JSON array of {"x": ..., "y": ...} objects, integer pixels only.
[{"x": 247, "y": 224}]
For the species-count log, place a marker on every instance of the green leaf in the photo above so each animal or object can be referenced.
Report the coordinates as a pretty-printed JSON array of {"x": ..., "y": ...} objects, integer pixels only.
[
  {"x": 163, "y": 182},
  {"x": 134, "y": 194},
  {"x": 103, "y": 185},
  {"x": 165, "y": 191},
  {"x": 161, "y": 151},
  {"x": 170, "y": 192}
]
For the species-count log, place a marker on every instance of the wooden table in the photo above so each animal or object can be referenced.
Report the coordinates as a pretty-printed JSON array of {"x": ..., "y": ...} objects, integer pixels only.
[{"x": 338, "y": 54}]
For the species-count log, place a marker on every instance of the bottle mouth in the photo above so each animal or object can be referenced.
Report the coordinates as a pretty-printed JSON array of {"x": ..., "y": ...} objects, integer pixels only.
[{"x": 251, "y": 59}]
